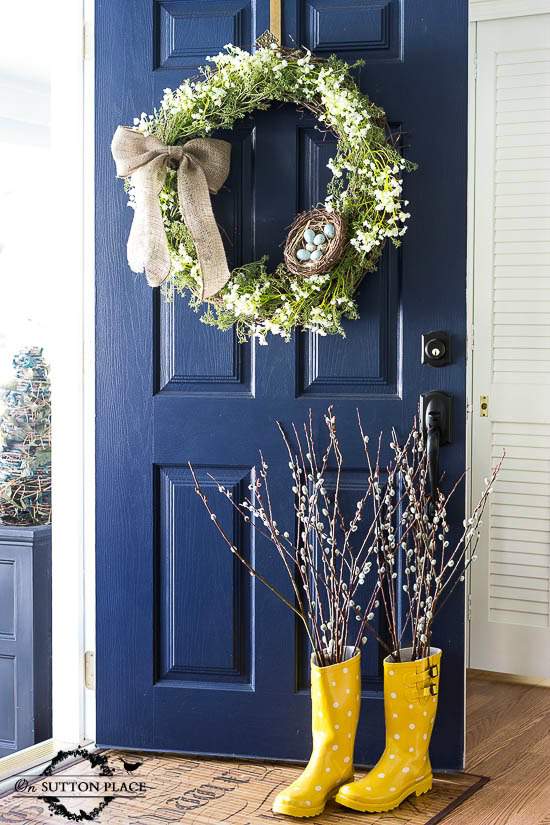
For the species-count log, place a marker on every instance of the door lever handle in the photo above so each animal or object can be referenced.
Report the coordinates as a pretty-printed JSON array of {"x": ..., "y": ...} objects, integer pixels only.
[
  {"x": 435, "y": 411},
  {"x": 433, "y": 441}
]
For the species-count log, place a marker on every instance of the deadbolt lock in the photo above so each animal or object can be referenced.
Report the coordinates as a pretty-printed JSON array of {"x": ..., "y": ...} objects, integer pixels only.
[{"x": 436, "y": 348}]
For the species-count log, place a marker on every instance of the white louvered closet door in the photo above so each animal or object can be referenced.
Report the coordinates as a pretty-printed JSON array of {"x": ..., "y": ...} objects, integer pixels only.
[{"x": 510, "y": 616}]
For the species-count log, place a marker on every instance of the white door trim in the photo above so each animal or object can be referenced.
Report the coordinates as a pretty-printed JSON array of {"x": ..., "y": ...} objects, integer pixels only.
[
  {"x": 479, "y": 11},
  {"x": 516, "y": 601},
  {"x": 73, "y": 375},
  {"x": 472, "y": 48},
  {"x": 73, "y": 378},
  {"x": 495, "y": 9},
  {"x": 89, "y": 357},
  {"x": 67, "y": 377}
]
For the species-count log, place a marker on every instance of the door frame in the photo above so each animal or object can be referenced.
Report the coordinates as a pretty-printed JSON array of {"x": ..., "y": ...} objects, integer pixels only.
[
  {"x": 479, "y": 11},
  {"x": 73, "y": 401},
  {"x": 73, "y": 591}
]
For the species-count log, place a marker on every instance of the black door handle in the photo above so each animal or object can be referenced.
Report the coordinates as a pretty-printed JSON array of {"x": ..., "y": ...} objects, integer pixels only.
[
  {"x": 435, "y": 410},
  {"x": 433, "y": 440}
]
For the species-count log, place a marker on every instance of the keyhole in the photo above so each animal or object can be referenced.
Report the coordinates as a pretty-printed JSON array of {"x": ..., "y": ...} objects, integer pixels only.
[{"x": 435, "y": 349}]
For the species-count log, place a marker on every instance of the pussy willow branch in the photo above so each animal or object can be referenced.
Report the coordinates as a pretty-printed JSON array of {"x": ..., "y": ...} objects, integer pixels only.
[
  {"x": 329, "y": 566},
  {"x": 315, "y": 472},
  {"x": 386, "y": 592},
  {"x": 318, "y": 577},
  {"x": 235, "y": 551},
  {"x": 328, "y": 561},
  {"x": 325, "y": 568},
  {"x": 430, "y": 565},
  {"x": 272, "y": 534}
]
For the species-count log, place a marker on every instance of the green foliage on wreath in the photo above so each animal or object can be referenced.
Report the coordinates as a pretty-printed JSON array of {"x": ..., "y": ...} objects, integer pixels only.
[{"x": 366, "y": 187}]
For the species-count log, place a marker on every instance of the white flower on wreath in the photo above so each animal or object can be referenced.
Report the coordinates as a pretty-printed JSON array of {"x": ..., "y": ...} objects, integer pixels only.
[{"x": 366, "y": 186}]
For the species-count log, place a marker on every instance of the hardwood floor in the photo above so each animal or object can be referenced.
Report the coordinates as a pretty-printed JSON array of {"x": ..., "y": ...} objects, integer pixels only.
[{"x": 508, "y": 739}]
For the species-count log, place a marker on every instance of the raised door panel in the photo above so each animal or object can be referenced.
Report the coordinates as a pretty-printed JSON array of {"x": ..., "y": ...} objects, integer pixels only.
[
  {"x": 193, "y": 358},
  {"x": 203, "y": 592},
  {"x": 353, "y": 28},
  {"x": 7, "y": 599},
  {"x": 186, "y": 32},
  {"x": 16, "y": 648},
  {"x": 365, "y": 362},
  {"x": 8, "y": 661},
  {"x": 8, "y": 704}
]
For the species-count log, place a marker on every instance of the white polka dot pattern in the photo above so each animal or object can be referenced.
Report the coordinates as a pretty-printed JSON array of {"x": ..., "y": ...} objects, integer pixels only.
[
  {"x": 335, "y": 712},
  {"x": 404, "y": 766}
]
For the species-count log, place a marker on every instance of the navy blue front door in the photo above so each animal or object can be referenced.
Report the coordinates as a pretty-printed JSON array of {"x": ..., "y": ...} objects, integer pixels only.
[{"x": 192, "y": 655}]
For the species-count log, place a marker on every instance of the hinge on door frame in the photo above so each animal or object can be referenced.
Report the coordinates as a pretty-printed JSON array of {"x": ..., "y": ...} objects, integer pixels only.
[
  {"x": 469, "y": 607},
  {"x": 89, "y": 670},
  {"x": 475, "y": 66},
  {"x": 86, "y": 45}
]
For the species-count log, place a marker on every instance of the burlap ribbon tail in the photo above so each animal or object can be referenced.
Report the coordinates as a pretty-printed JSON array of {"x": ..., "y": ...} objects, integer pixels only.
[{"x": 202, "y": 167}]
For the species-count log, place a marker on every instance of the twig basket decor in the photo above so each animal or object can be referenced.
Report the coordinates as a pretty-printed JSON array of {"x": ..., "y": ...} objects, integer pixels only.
[{"x": 333, "y": 247}]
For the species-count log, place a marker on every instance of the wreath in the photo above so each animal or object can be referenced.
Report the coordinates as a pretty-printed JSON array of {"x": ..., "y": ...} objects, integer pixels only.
[{"x": 329, "y": 249}]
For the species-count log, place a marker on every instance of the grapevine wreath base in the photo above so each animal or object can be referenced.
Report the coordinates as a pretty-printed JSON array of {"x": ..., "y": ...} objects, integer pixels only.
[{"x": 364, "y": 194}]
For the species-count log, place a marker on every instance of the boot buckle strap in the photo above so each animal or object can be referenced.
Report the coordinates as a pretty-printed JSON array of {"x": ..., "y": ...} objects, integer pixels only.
[
  {"x": 421, "y": 689},
  {"x": 431, "y": 672},
  {"x": 429, "y": 690}
]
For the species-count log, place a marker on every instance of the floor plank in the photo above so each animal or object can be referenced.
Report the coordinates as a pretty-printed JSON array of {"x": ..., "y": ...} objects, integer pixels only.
[{"x": 508, "y": 740}]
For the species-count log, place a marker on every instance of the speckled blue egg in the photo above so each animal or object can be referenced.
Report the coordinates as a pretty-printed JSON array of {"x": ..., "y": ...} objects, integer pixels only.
[
  {"x": 329, "y": 230},
  {"x": 303, "y": 255},
  {"x": 309, "y": 235},
  {"x": 316, "y": 255},
  {"x": 311, "y": 247},
  {"x": 319, "y": 239}
]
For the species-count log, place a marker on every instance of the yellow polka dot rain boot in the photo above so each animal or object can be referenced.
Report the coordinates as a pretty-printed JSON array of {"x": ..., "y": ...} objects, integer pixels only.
[
  {"x": 335, "y": 702},
  {"x": 410, "y": 705}
]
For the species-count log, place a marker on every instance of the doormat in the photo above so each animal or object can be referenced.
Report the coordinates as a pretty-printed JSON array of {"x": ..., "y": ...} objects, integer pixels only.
[{"x": 188, "y": 791}]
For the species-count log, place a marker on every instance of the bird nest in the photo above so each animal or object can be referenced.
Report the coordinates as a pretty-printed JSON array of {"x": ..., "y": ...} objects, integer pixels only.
[{"x": 331, "y": 249}]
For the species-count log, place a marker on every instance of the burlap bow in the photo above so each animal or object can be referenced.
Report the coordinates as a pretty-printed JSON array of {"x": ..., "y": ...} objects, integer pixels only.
[{"x": 203, "y": 167}]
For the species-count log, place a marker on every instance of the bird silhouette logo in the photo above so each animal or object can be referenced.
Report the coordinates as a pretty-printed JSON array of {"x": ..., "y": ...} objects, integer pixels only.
[{"x": 130, "y": 767}]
